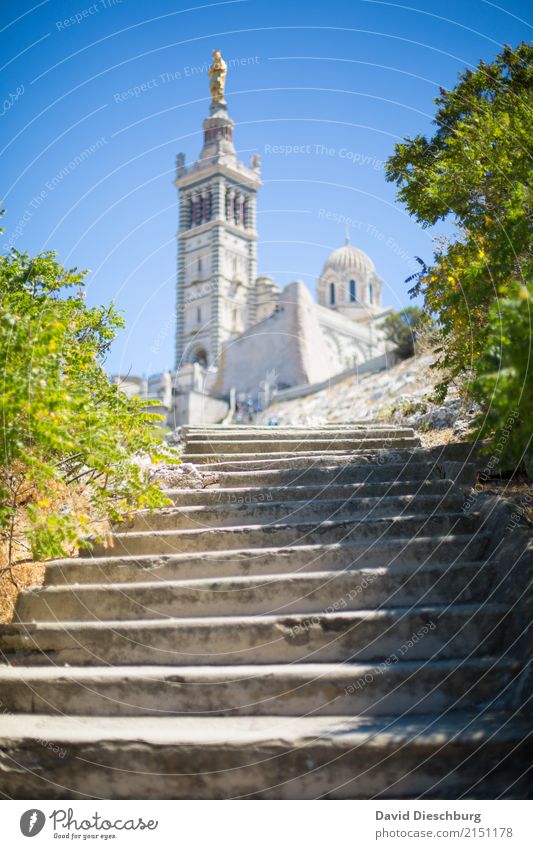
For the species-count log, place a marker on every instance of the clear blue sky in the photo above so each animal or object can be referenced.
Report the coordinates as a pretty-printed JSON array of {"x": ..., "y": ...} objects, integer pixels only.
[{"x": 342, "y": 81}]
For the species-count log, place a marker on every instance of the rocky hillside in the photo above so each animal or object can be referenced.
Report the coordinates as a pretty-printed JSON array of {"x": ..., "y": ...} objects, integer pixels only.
[{"x": 401, "y": 395}]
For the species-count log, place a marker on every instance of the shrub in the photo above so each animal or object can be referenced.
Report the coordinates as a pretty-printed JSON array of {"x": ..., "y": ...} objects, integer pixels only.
[
  {"x": 400, "y": 329},
  {"x": 475, "y": 170},
  {"x": 63, "y": 423},
  {"x": 503, "y": 382}
]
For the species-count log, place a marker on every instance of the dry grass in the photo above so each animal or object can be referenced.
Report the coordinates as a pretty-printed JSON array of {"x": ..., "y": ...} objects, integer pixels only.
[
  {"x": 25, "y": 573},
  {"x": 15, "y": 580},
  {"x": 434, "y": 438}
]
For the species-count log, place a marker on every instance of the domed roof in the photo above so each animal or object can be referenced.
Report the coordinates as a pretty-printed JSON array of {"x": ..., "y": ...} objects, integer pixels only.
[{"x": 349, "y": 258}]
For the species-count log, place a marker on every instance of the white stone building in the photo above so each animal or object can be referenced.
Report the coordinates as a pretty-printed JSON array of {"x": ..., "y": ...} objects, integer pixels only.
[{"x": 231, "y": 324}]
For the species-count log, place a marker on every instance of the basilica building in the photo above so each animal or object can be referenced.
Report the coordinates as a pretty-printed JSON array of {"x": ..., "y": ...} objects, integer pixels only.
[{"x": 233, "y": 327}]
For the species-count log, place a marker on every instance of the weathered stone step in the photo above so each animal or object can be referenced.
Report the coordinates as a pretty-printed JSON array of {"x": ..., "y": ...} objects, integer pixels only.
[
  {"x": 302, "y": 472},
  {"x": 409, "y": 552},
  {"x": 283, "y": 534},
  {"x": 466, "y": 754},
  {"x": 345, "y": 455},
  {"x": 319, "y": 461},
  {"x": 317, "y": 510},
  {"x": 239, "y": 433},
  {"x": 265, "y": 495},
  {"x": 458, "y": 630},
  {"x": 325, "y": 689},
  {"x": 271, "y": 447},
  {"x": 297, "y": 440},
  {"x": 270, "y": 594},
  {"x": 255, "y": 426}
]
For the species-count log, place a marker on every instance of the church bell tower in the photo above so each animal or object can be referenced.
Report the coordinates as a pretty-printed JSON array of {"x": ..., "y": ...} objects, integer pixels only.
[{"x": 217, "y": 239}]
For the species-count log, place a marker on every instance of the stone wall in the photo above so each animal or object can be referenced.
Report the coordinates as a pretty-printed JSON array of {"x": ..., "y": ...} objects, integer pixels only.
[
  {"x": 196, "y": 408},
  {"x": 377, "y": 364},
  {"x": 287, "y": 348}
]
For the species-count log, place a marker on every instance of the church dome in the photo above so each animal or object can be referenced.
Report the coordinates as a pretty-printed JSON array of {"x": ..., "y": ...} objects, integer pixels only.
[{"x": 349, "y": 258}]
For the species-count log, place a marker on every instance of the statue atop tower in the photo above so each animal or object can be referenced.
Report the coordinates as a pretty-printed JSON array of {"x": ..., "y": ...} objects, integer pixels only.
[{"x": 217, "y": 74}]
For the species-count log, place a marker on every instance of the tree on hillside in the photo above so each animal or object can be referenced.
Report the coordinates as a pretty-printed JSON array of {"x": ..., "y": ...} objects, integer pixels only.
[
  {"x": 64, "y": 426},
  {"x": 400, "y": 329},
  {"x": 476, "y": 170}
]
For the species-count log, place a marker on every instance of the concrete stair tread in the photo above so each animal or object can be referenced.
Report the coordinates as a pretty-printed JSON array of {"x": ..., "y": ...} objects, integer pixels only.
[
  {"x": 318, "y": 435},
  {"x": 327, "y": 523},
  {"x": 338, "y": 732},
  {"x": 347, "y": 464},
  {"x": 283, "y": 626},
  {"x": 349, "y": 545},
  {"x": 371, "y": 612},
  {"x": 285, "y": 533},
  {"x": 282, "y": 689},
  {"x": 365, "y": 635},
  {"x": 367, "y": 424},
  {"x": 257, "y": 460},
  {"x": 298, "y": 438},
  {"x": 293, "y": 504},
  {"x": 268, "y": 512},
  {"x": 227, "y": 581},
  {"x": 248, "y": 431},
  {"x": 352, "y": 498},
  {"x": 392, "y": 550},
  {"x": 296, "y": 447},
  {"x": 206, "y": 674},
  {"x": 214, "y": 494},
  {"x": 300, "y": 472},
  {"x": 307, "y": 592}
]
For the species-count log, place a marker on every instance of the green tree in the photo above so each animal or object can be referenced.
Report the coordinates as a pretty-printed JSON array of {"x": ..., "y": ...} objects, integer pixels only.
[
  {"x": 475, "y": 170},
  {"x": 503, "y": 382},
  {"x": 401, "y": 329},
  {"x": 63, "y": 423}
]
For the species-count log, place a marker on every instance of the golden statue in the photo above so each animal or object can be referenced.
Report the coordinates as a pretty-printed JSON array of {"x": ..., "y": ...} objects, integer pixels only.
[{"x": 217, "y": 73}]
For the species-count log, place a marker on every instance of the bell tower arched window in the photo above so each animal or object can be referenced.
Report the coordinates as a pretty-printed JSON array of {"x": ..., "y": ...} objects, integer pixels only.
[
  {"x": 332, "y": 294},
  {"x": 353, "y": 292},
  {"x": 370, "y": 294},
  {"x": 200, "y": 356}
]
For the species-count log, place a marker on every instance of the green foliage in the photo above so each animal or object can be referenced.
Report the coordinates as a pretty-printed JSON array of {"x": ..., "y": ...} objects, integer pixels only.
[
  {"x": 475, "y": 170},
  {"x": 504, "y": 383},
  {"x": 63, "y": 424},
  {"x": 401, "y": 328},
  {"x": 50, "y": 534}
]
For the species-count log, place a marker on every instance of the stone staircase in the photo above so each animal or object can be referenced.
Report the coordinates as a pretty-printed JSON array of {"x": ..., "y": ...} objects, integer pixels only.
[{"x": 325, "y": 621}]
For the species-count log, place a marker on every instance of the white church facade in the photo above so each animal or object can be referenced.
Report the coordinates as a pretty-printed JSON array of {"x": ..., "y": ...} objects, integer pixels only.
[{"x": 235, "y": 329}]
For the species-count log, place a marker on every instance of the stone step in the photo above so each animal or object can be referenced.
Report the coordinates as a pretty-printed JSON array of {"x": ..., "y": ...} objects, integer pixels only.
[
  {"x": 316, "y": 510},
  {"x": 298, "y": 439},
  {"x": 301, "y": 473},
  {"x": 309, "y": 445},
  {"x": 409, "y": 552},
  {"x": 269, "y": 594},
  {"x": 318, "y": 462},
  {"x": 264, "y": 495},
  {"x": 271, "y": 690},
  {"x": 239, "y": 433},
  {"x": 284, "y": 534},
  {"x": 441, "y": 632},
  {"x": 470, "y": 755},
  {"x": 340, "y": 456}
]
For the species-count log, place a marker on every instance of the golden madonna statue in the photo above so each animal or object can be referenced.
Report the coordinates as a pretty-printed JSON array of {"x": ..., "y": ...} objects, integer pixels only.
[{"x": 217, "y": 73}]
